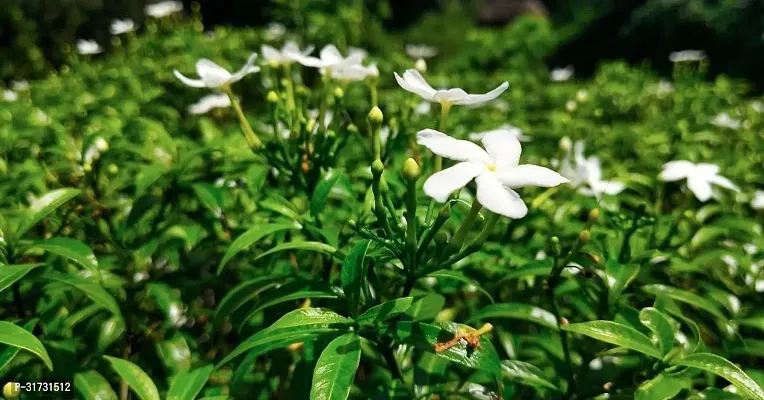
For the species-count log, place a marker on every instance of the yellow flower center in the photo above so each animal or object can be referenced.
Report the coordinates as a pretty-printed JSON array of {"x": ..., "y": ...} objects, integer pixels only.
[{"x": 491, "y": 167}]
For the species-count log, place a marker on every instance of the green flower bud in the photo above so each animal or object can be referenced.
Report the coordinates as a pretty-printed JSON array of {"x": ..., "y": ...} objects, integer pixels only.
[
  {"x": 352, "y": 128},
  {"x": 554, "y": 246},
  {"x": 594, "y": 216},
  {"x": 410, "y": 171},
  {"x": 272, "y": 97},
  {"x": 352, "y": 223},
  {"x": 584, "y": 236},
  {"x": 565, "y": 144},
  {"x": 377, "y": 168},
  {"x": 421, "y": 65},
  {"x": 375, "y": 116},
  {"x": 113, "y": 169},
  {"x": 338, "y": 93}
]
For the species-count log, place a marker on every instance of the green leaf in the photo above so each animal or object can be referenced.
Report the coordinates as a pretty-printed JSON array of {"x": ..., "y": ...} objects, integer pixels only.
[
  {"x": 707, "y": 234},
  {"x": 353, "y": 273},
  {"x": 622, "y": 275},
  {"x": 724, "y": 368},
  {"x": 301, "y": 245},
  {"x": 426, "y": 336},
  {"x": 210, "y": 197},
  {"x": 11, "y": 351},
  {"x": 519, "y": 311},
  {"x": 241, "y": 295},
  {"x": 299, "y": 325},
  {"x": 135, "y": 377},
  {"x": 321, "y": 193},
  {"x": 174, "y": 354},
  {"x": 110, "y": 331},
  {"x": 615, "y": 333},
  {"x": 385, "y": 311},
  {"x": 660, "y": 326},
  {"x": 448, "y": 274},
  {"x": 43, "y": 206},
  {"x": 187, "y": 385},
  {"x": 685, "y": 297},
  {"x": 72, "y": 249},
  {"x": 662, "y": 387},
  {"x": 336, "y": 368},
  {"x": 426, "y": 307},
  {"x": 302, "y": 294},
  {"x": 92, "y": 385},
  {"x": 16, "y": 336},
  {"x": 250, "y": 237},
  {"x": 537, "y": 268},
  {"x": 527, "y": 374},
  {"x": 9, "y": 274},
  {"x": 94, "y": 291}
]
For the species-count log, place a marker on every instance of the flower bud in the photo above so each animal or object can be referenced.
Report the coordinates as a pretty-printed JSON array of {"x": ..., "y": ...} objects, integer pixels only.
[
  {"x": 375, "y": 116},
  {"x": 113, "y": 169},
  {"x": 352, "y": 223},
  {"x": 272, "y": 97},
  {"x": 352, "y": 128},
  {"x": 421, "y": 65},
  {"x": 565, "y": 144},
  {"x": 584, "y": 236},
  {"x": 338, "y": 93},
  {"x": 594, "y": 216},
  {"x": 441, "y": 238},
  {"x": 377, "y": 168},
  {"x": 554, "y": 246},
  {"x": 410, "y": 171}
]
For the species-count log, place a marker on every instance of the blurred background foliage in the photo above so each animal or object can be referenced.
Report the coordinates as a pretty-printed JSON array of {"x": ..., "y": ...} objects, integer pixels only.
[{"x": 37, "y": 35}]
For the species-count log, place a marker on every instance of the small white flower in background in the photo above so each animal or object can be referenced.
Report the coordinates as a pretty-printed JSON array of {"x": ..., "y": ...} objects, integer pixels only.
[
  {"x": 687, "y": 56},
  {"x": 355, "y": 72},
  {"x": 357, "y": 51},
  {"x": 500, "y": 105},
  {"x": 750, "y": 248},
  {"x": 420, "y": 51},
  {"x": 758, "y": 200},
  {"x": 496, "y": 171},
  {"x": 162, "y": 156},
  {"x": 512, "y": 130},
  {"x": 330, "y": 58},
  {"x": 88, "y": 47},
  {"x": 731, "y": 263},
  {"x": 120, "y": 26},
  {"x": 214, "y": 76},
  {"x": 209, "y": 102},
  {"x": 586, "y": 174},
  {"x": 290, "y": 52},
  {"x": 561, "y": 74},
  {"x": 421, "y": 65},
  {"x": 723, "y": 120},
  {"x": 274, "y": 31},
  {"x": 413, "y": 82},
  {"x": 19, "y": 86},
  {"x": 328, "y": 116},
  {"x": 99, "y": 145},
  {"x": 663, "y": 88},
  {"x": 164, "y": 8},
  {"x": 757, "y": 106},
  {"x": 176, "y": 314},
  {"x": 10, "y": 95},
  {"x": 384, "y": 134},
  {"x": 571, "y": 105},
  {"x": 423, "y": 108},
  {"x": 140, "y": 276},
  {"x": 699, "y": 177}
]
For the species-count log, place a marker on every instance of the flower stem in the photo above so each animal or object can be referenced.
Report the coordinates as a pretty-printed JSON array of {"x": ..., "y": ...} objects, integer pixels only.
[
  {"x": 252, "y": 139},
  {"x": 487, "y": 229},
  {"x": 675, "y": 224},
  {"x": 458, "y": 240},
  {"x": 444, "y": 109},
  {"x": 374, "y": 97}
]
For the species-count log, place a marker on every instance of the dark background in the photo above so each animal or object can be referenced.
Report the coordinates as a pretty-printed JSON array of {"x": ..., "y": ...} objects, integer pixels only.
[{"x": 32, "y": 32}]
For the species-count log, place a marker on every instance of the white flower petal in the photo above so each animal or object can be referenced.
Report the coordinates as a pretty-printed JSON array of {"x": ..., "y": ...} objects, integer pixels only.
[
  {"x": 330, "y": 54},
  {"x": 499, "y": 199},
  {"x": 196, "y": 83},
  {"x": 758, "y": 200},
  {"x": 453, "y": 96},
  {"x": 212, "y": 75},
  {"x": 454, "y": 149},
  {"x": 607, "y": 187},
  {"x": 530, "y": 175},
  {"x": 271, "y": 54},
  {"x": 723, "y": 182},
  {"x": 247, "y": 69},
  {"x": 441, "y": 184},
  {"x": 701, "y": 188},
  {"x": 676, "y": 170},
  {"x": 503, "y": 147},
  {"x": 413, "y": 82},
  {"x": 484, "y": 98}
]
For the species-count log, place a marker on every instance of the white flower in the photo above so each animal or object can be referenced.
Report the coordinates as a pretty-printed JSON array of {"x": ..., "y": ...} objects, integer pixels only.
[
  {"x": 586, "y": 174},
  {"x": 163, "y": 8},
  {"x": 209, "y": 102},
  {"x": 274, "y": 31},
  {"x": 10, "y": 95},
  {"x": 358, "y": 52},
  {"x": 562, "y": 74},
  {"x": 514, "y": 131},
  {"x": 413, "y": 82},
  {"x": 215, "y": 76},
  {"x": 421, "y": 65},
  {"x": 724, "y": 120},
  {"x": 356, "y": 72},
  {"x": 99, "y": 145},
  {"x": 330, "y": 58},
  {"x": 663, "y": 88},
  {"x": 699, "y": 177},
  {"x": 120, "y": 26},
  {"x": 758, "y": 200},
  {"x": 687, "y": 55},
  {"x": 289, "y": 52},
  {"x": 19, "y": 86},
  {"x": 140, "y": 276},
  {"x": 423, "y": 108},
  {"x": 88, "y": 47},
  {"x": 496, "y": 171},
  {"x": 421, "y": 51}
]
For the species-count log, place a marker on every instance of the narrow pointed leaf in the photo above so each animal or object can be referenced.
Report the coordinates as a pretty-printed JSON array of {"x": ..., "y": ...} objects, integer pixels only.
[
  {"x": 353, "y": 273},
  {"x": 135, "y": 377},
  {"x": 617, "y": 334},
  {"x": 448, "y": 274},
  {"x": 16, "y": 336},
  {"x": 724, "y": 368},
  {"x": 659, "y": 324},
  {"x": 527, "y": 374},
  {"x": 685, "y": 297},
  {"x": 9, "y": 274},
  {"x": 520, "y": 311},
  {"x": 187, "y": 385},
  {"x": 72, "y": 249},
  {"x": 43, "y": 206},
  {"x": 241, "y": 295},
  {"x": 385, "y": 311},
  {"x": 92, "y": 385},
  {"x": 248, "y": 238},
  {"x": 94, "y": 291},
  {"x": 306, "y": 245},
  {"x": 336, "y": 368}
]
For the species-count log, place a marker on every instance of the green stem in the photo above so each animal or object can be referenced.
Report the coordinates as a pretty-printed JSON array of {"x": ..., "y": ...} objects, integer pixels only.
[
  {"x": 444, "y": 109},
  {"x": 487, "y": 229},
  {"x": 443, "y": 215},
  {"x": 563, "y": 339},
  {"x": 252, "y": 139},
  {"x": 458, "y": 240},
  {"x": 675, "y": 224},
  {"x": 374, "y": 97}
]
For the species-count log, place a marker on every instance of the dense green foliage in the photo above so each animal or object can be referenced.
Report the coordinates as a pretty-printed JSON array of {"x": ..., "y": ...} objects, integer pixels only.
[{"x": 180, "y": 262}]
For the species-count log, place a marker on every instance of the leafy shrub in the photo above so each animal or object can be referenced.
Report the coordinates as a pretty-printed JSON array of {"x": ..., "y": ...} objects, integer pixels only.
[{"x": 148, "y": 250}]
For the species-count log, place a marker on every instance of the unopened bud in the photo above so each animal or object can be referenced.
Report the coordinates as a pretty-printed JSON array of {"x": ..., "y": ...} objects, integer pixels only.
[
  {"x": 554, "y": 246},
  {"x": 339, "y": 93},
  {"x": 377, "y": 168},
  {"x": 272, "y": 97},
  {"x": 113, "y": 169},
  {"x": 352, "y": 223},
  {"x": 352, "y": 128},
  {"x": 421, "y": 65},
  {"x": 375, "y": 116},
  {"x": 594, "y": 216},
  {"x": 410, "y": 171},
  {"x": 584, "y": 236},
  {"x": 441, "y": 238},
  {"x": 565, "y": 144},
  {"x": 563, "y": 321},
  {"x": 273, "y": 64}
]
